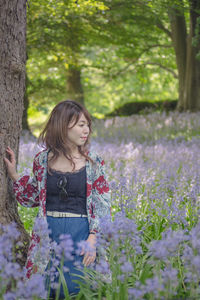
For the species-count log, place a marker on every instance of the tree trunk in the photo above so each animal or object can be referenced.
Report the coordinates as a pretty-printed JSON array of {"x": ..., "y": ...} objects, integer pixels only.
[
  {"x": 179, "y": 40},
  {"x": 191, "y": 97},
  {"x": 25, "y": 125},
  {"x": 74, "y": 86},
  {"x": 186, "y": 57},
  {"x": 12, "y": 87}
]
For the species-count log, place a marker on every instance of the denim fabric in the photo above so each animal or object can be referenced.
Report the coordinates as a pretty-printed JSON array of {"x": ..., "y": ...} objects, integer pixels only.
[{"x": 78, "y": 228}]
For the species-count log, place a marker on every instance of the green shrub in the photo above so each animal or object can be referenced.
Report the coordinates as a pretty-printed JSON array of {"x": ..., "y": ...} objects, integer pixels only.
[{"x": 131, "y": 108}]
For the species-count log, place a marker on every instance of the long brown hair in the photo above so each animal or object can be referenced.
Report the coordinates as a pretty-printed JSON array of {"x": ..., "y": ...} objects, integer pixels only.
[{"x": 54, "y": 135}]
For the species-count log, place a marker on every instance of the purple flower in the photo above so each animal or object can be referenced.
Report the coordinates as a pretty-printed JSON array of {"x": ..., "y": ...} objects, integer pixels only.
[
  {"x": 170, "y": 279},
  {"x": 153, "y": 285},
  {"x": 121, "y": 278},
  {"x": 127, "y": 267},
  {"x": 34, "y": 287},
  {"x": 135, "y": 293},
  {"x": 66, "y": 246},
  {"x": 84, "y": 246},
  {"x": 103, "y": 267},
  {"x": 9, "y": 296},
  {"x": 168, "y": 245}
]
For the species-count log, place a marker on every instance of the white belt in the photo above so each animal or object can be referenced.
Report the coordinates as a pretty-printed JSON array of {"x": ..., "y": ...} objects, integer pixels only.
[{"x": 57, "y": 214}]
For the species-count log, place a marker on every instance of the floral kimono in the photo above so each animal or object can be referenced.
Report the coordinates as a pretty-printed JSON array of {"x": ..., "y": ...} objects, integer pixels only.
[{"x": 31, "y": 192}]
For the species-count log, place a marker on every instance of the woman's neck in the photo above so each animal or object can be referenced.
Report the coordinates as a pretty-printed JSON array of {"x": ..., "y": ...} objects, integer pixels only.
[
  {"x": 74, "y": 154},
  {"x": 74, "y": 150}
]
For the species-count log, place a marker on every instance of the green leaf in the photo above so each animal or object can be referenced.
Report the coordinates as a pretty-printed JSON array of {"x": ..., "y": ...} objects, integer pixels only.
[{"x": 64, "y": 284}]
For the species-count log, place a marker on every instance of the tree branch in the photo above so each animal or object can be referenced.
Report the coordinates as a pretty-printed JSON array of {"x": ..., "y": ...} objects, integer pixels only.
[
  {"x": 161, "y": 66},
  {"x": 131, "y": 62},
  {"x": 160, "y": 25},
  {"x": 162, "y": 46}
]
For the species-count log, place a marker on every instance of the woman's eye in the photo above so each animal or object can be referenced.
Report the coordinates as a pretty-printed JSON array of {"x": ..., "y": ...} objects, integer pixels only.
[{"x": 83, "y": 125}]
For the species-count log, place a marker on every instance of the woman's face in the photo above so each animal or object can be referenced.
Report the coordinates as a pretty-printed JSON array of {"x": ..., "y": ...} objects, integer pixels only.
[{"x": 78, "y": 134}]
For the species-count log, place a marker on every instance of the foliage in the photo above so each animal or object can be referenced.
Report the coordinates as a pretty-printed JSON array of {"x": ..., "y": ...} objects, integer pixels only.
[
  {"x": 131, "y": 108},
  {"x": 122, "y": 56},
  {"x": 57, "y": 46}
]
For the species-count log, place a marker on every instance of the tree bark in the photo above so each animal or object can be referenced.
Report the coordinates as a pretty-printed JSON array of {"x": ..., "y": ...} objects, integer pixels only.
[
  {"x": 26, "y": 130},
  {"x": 74, "y": 85},
  {"x": 179, "y": 39},
  {"x": 191, "y": 96},
  {"x": 186, "y": 56},
  {"x": 25, "y": 125},
  {"x": 12, "y": 88}
]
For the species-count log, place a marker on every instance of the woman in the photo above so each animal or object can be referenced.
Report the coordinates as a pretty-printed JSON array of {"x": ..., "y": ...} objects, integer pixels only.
[{"x": 69, "y": 186}]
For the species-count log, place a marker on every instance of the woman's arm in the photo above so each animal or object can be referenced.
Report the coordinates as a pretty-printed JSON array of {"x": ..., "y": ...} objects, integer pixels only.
[
  {"x": 101, "y": 202},
  {"x": 101, "y": 207},
  {"x": 25, "y": 188}
]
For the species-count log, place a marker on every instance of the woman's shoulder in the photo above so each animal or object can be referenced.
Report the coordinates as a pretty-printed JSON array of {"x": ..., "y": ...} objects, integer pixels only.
[
  {"x": 41, "y": 156},
  {"x": 95, "y": 156}
]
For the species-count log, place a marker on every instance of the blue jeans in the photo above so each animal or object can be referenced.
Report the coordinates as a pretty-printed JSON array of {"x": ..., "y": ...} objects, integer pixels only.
[{"x": 78, "y": 228}]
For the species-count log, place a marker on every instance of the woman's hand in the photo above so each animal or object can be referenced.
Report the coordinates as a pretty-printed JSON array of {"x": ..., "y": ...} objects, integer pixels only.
[
  {"x": 11, "y": 164},
  {"x": 90, "y": 256}
]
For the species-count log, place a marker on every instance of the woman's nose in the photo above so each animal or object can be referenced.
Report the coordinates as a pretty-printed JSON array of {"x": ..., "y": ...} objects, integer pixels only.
[{"x": 86, "y": 130}]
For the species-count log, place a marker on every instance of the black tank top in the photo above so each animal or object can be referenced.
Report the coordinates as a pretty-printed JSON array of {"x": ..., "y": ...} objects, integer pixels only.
[{"x": 66, "y": 192}]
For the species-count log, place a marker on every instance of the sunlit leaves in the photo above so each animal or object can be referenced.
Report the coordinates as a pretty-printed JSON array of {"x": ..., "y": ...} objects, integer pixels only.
[{"x": 122, "y": 53}]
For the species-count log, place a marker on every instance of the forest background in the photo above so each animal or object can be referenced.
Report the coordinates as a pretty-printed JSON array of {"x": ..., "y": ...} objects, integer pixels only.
[{"x": 109, "y": 53}]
